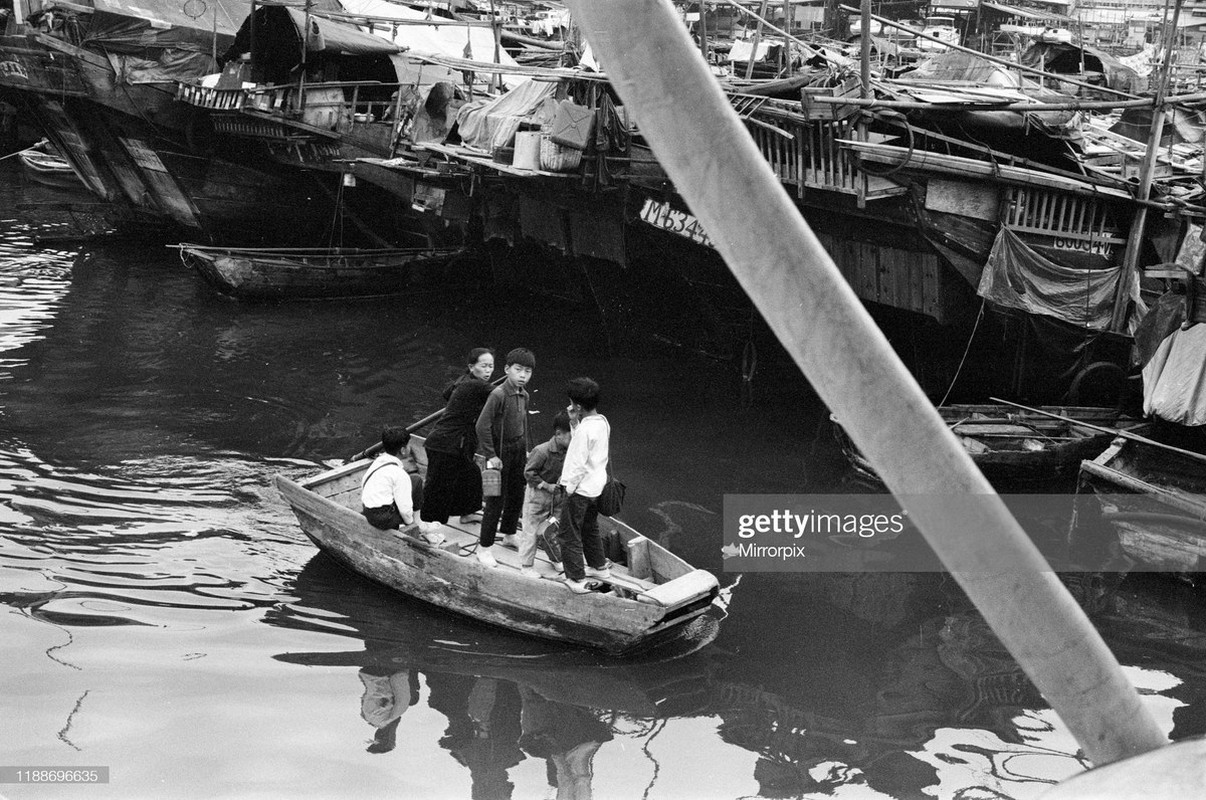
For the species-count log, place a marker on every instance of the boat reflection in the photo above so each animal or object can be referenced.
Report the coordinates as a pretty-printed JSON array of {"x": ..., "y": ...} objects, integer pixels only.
[
  {"x": 882, "y": 690},
  {"x": 505, "y": 697}
]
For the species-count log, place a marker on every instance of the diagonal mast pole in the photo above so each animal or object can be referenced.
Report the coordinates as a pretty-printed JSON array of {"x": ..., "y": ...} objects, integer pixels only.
[{"x": 714, "y": 164}]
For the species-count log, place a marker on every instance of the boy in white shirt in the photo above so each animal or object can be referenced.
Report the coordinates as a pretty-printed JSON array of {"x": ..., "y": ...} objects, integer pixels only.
[
  {"x": 386, "y": 492},
  {"x": 583, "y": 476}
]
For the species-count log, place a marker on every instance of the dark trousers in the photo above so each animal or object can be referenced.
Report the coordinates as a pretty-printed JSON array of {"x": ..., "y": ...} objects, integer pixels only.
[
  {"x": 579, "y": 536},
  {"x": 500, "y": 514},
  {"x": 416, "y": 492},
  {"x": 454, "y": 487}
]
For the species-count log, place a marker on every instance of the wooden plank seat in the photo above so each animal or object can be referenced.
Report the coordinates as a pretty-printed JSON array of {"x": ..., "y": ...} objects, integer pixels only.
[{"x": 680, "y": 590}]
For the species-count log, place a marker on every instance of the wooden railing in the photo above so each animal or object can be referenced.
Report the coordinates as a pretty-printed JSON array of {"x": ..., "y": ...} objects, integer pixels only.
[
  {"x": 809, "y": 156},
  {"x": 210, "y": 97},
  {"x": 1060, "y": 215},
  {"x": 292, "y": 99}
]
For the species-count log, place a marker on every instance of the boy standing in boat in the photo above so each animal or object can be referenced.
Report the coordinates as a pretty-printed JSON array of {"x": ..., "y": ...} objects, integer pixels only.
[
  {"x": 540, "y": 498},
  {"x": 502, "y": 440},
  {"x": 583, "y": 476},
  {"x": 387, "y": 491}
]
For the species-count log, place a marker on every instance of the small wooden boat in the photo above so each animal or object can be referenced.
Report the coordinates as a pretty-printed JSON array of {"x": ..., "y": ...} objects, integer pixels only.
[
  {"x": 279, "y": 273},
  {"x": 1010, "y": 444},
  {"x": 49, "y": 169},
  {"x": 1152, "y": 501},
  {"x": 645, "y": 602}
]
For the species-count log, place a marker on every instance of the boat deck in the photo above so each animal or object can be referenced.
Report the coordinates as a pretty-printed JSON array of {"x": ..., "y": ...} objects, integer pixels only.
[{"x": 462, "y": 539}]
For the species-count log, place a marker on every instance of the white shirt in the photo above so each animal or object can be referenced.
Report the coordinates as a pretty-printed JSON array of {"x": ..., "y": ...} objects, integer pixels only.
[
  {"x": 585, "y": 469},
  {"x": 387, "y": 481}
]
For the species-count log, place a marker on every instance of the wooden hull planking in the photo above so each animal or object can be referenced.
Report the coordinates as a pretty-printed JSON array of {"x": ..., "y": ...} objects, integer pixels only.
[{"x": 1155, "y": 502}]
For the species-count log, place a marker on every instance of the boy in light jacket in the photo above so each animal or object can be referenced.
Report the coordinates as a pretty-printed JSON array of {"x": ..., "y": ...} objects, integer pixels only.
[{"x": 541, "y": 499}]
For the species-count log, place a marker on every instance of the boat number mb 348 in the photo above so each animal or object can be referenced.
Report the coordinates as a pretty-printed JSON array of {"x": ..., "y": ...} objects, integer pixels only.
[{"x": 662, "y": 215}]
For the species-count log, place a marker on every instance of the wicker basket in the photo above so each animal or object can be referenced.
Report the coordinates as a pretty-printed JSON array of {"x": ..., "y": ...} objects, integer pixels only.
[{"x": 558, "y": 158}]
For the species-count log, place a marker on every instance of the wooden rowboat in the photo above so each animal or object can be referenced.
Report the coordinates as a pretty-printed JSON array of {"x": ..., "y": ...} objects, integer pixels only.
[
  {"x": 647, "y": 601},
  {"x": 1151, "y": 506},
  {"x": 278, "y": 273},
  {"x": 49, "y": 169},
  {"x": 1012, "y": 445}
]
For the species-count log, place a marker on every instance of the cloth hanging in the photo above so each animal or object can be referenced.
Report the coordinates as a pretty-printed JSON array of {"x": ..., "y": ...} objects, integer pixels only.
[
  {"x": 1016, "y": 276},
  {"x": 1174, "y": 379}
]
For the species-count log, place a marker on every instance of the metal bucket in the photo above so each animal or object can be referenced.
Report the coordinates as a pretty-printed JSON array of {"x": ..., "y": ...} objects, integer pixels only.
[
  {"x": 491, "y": 483},
  {"x": 527, "y": 150}
]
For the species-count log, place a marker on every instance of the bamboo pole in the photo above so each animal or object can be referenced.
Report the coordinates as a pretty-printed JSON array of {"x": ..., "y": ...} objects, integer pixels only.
[
  {"x": 992, "y": 58},
  {"x": 1071, "y": 105},
  {"x": 374, "y": 449},
  {"x": 251, "y": 45},
  {"x": 864, "y": 41},
  {"x": 1125, "y": 434},
  {"x": 33, "y": 146},
  {"x": 1134, "y": 241},
  {"x": 749, "y": 67},
  {"x": 786, "y": 69},
  {"x": 301, "y": 83},
  {"x": 794, "y": 283},
  {"x": 496, "y": 78}
]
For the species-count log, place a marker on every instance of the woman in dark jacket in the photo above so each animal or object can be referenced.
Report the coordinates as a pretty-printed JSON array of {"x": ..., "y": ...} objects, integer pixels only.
[{"x": 454, "y": 482}]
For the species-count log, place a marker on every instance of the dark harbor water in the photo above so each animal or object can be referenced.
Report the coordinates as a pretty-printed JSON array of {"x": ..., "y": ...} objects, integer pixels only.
[{"x": 163, "y": 615}]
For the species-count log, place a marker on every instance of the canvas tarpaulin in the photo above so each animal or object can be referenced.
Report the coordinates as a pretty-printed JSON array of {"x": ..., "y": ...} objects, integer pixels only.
[
  {"x": 171, "y": 65},
  {"x": 1067, "y": 58},
  {"x": 135, "y": 25},
  {"x": 1016, "y": 276},
  {"x": 486, "y": 125},
  {"x": 1174, "y": 380},
  {"x": 1173, "y": 359},
  {"x": 452, "y": 39},
  {"x": 327, "y": 36}
]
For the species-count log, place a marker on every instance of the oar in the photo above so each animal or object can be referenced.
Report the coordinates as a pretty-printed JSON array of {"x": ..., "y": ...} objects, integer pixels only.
[
  {"x": 1124, "y": 434},
  {"x": 373, "y": 450},
  {"x": 26, "y": 150}
]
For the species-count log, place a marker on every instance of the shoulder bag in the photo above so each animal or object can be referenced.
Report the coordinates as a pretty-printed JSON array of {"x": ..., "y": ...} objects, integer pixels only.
[{"x": 611, "y": 499}]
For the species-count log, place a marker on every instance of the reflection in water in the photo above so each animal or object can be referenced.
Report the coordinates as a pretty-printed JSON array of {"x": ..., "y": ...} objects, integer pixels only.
[
  {"x": 386, "y": 698},
  {"x": 162, "y": 613},
  {"x": 504, "y": 698},
  {"x": 945, "y": 695}
]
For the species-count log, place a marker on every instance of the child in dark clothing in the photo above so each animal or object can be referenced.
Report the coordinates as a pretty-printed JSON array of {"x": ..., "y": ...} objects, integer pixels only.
[{"x": 502, "y": 440}]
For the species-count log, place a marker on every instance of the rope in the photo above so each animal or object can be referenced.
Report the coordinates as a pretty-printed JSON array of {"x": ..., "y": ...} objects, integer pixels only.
[
  {"x": 966, "y": 350},
  {"x": 904, "y": 162},
  {"x": 337, "y": 216}
]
